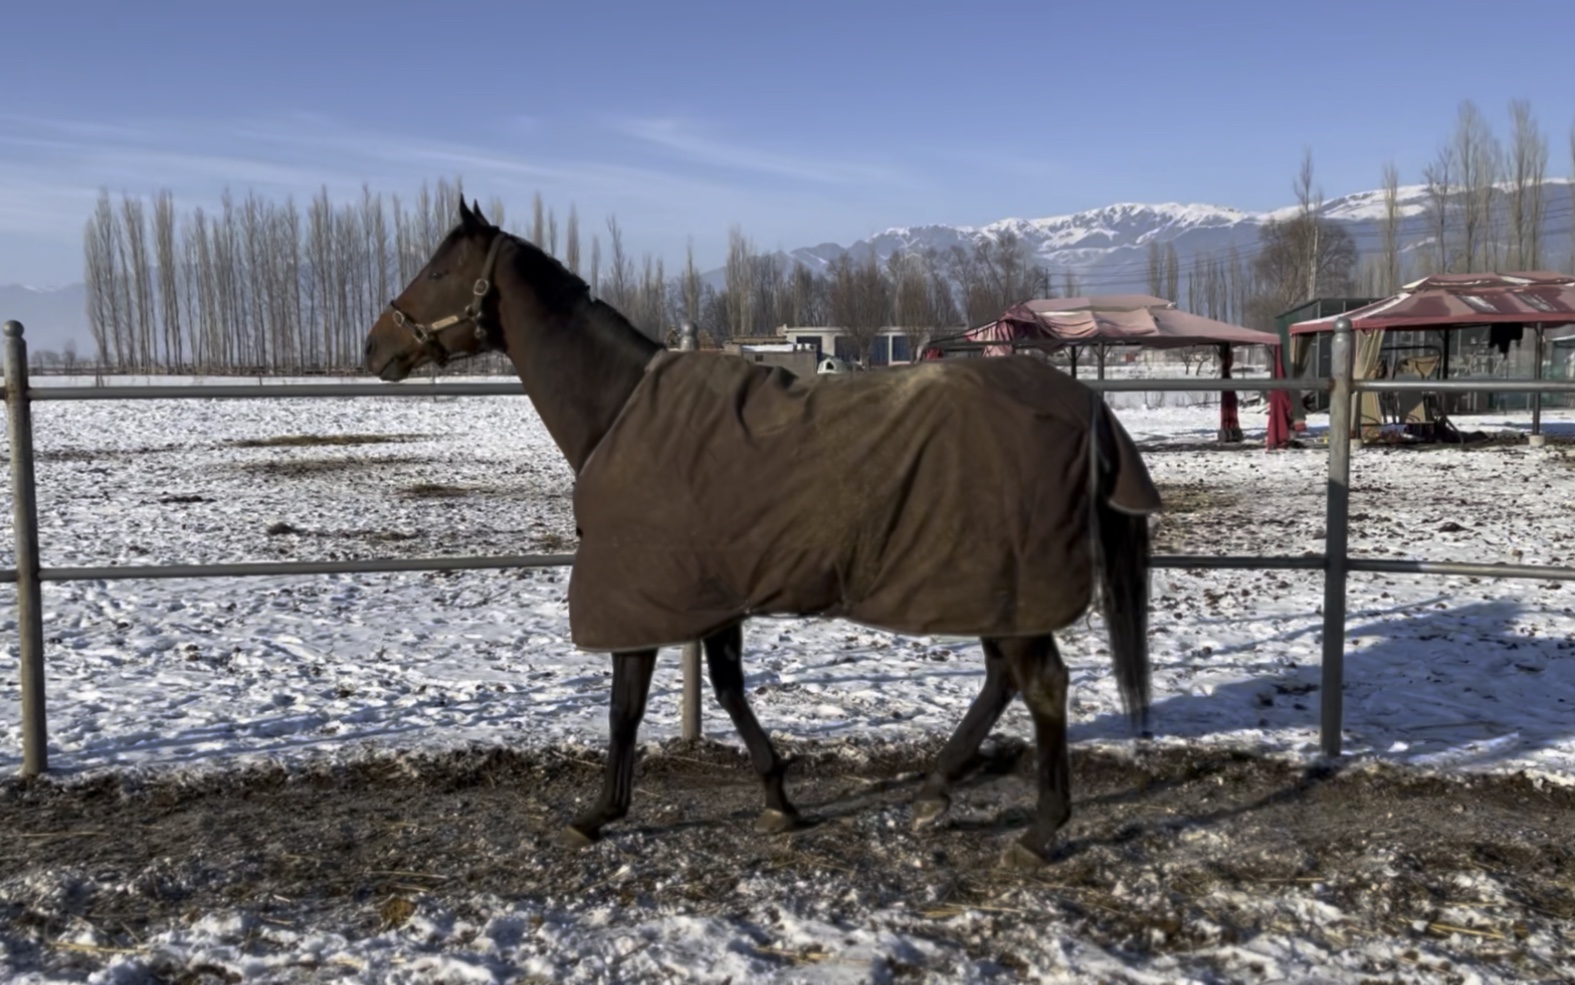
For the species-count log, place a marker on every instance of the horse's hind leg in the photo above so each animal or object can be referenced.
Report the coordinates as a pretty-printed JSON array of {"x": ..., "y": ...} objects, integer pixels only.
[
  {"x": 934, "y": 798},
  {"x": 724, "y": 652},
  {"x": 1039, "y": 674},
  {"x": 631, "y": 684}
]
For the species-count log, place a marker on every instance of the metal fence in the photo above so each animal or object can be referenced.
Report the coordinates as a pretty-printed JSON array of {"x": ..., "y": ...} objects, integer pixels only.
[{"x": 1335, "y": 562}]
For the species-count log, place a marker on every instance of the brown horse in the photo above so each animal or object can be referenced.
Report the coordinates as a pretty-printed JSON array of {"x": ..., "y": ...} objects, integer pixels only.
[{"x": 969, "y": 497}]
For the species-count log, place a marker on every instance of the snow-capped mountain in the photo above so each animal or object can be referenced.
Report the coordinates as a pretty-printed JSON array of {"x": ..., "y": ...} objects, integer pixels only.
[{"x": 1107, "y": 248}]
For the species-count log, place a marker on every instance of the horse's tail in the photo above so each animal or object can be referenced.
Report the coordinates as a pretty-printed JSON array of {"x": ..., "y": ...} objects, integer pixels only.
[{"x": 1122, "y": 540}]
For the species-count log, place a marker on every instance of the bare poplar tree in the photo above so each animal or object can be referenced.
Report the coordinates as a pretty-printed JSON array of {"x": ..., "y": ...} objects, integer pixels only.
[
  {"x": 1388, "y": 268},
  {"x": 596, "y": 265},
  {"x": 538, "y": 222},
  {"x": 736, "y": 276},
  {"x": 109, "y": 318},
  {"x": 690, "y": 284},
  {"x": 1477, "y": 156},
  {"x": 169, "y": 276},
  {"x": 619, "y": 287},
  {"x": 140, "y": 277},
  {"x": 571, "y": 246},
  {"x": 1528, "y": 166},
  {"x": 1172, "y": 272},
  {"x": 1156, "y": 269},
  {"x": 1438, "y": 179}
]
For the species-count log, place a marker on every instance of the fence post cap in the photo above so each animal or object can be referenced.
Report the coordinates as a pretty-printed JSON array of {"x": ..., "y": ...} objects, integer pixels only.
[
  {"x": 1342, "y": 324},
  {"x": 13, "y": 329}
]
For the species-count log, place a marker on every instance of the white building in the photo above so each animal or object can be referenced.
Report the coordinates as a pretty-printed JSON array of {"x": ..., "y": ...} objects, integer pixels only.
[{"x": 891, "y": 345}]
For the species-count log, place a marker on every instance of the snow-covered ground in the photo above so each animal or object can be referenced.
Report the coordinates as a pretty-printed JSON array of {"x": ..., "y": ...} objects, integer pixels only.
[{"x": 1457, "y": 673}]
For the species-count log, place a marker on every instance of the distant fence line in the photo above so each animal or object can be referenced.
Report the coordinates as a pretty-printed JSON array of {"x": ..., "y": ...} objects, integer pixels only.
[{"x": 28, "y": 575}]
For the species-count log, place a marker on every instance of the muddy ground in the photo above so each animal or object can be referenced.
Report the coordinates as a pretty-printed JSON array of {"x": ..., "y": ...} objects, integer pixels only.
[{"x": 1167, "y": 851}]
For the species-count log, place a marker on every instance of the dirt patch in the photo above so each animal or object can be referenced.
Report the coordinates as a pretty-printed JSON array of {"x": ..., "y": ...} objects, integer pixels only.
[
  {"x": 101, "y": 454},
  {"x": 1195, "y": 497},
  {"x": 438, "y": 490},
  {"x": 315, "y": 440},
  {"x": 1167, "y": 851},
  {"x": 305, "y": 468}
]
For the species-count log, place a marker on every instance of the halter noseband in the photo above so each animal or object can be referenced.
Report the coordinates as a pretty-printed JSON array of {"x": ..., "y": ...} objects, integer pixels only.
[{"x": 427, "y": 335}]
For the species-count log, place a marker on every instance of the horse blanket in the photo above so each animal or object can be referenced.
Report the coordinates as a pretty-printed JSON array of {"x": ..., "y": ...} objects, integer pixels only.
[{"x": 948, "y": 497}]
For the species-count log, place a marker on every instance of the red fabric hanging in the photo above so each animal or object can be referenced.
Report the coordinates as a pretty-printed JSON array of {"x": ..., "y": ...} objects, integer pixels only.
[{"x": 1280, "y": 422}]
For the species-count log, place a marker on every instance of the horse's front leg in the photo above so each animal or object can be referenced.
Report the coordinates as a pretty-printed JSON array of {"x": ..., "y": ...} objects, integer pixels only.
[
  {"x": 631, "y": 684},
  {"x": 724, "y": 654}
]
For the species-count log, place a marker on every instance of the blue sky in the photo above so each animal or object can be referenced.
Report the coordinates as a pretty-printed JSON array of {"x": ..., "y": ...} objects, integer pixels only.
[{"x": 802, "y": 121}]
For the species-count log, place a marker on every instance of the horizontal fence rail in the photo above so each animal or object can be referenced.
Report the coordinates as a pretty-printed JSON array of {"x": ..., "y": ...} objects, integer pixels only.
[
  {"x": 1335, "y": 563},
  {"x": 252, "y": 569},
  {"x": 272, "y": 391}
]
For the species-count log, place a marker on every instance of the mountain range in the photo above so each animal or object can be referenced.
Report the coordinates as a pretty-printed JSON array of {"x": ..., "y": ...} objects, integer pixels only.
[{"x": 1106, "y": 249}]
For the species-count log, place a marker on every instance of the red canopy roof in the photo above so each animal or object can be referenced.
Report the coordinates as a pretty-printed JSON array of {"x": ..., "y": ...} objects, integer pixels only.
[
  {"x": 1462, "y": 300},
  {"x": 1114, "y": 319}
]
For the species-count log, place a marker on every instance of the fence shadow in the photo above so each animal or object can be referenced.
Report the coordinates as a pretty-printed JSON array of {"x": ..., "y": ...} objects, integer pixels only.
[{"x": 1459, "y": 686}]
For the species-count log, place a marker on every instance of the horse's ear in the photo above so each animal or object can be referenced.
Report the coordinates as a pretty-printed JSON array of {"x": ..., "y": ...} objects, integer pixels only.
[
  {"x": 475, "y": 207},
  {"x": 467, "y": 218}
]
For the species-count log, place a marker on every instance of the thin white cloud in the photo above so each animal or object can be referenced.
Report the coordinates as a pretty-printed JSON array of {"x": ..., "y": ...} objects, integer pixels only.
[
  {"x": 51, "y": 171},
  {"x": 688, "y": 140}
]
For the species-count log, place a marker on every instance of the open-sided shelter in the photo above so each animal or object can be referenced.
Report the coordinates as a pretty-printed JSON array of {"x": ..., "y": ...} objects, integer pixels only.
[
  {"x": 1506, "y": 303},
  {"x": 1127, "y": 320}
]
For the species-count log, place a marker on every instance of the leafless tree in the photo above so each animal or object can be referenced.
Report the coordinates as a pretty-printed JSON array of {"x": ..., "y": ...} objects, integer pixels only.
[
  {"x": 1156, "y": 269},
  {"x": 1477, "y": 156},
  {"x": 168, "y": 275},
  {"x": 995, "y": 275},
  {"x": 737, "y": 276},
  {"x": 538, "y": 222},
  {"x": 1528, "y": 166},
  {"x": 1172, "y": 272},
  {"x": 1439, "y": 178},
  {"x": 1280, "y": 274},
  {"x": 139, "y": 275},
  {"x": 571, "y": 246},
  {"x": 690, "y": 285},
  {"x": 860, "y": 300},
  {"x": 619, "y": 286},
  {"x": 1388, "y": 268}
]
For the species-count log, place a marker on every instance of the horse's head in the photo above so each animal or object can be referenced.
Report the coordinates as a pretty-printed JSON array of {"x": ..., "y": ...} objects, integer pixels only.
[{"x": 441, "y": 314}]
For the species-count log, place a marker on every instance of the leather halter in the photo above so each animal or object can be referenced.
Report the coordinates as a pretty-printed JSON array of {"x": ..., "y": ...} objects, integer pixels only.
[{"x": 427, "y": 335}]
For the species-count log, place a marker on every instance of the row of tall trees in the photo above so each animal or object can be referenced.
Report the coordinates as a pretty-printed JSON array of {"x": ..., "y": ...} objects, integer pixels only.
[
  {"x": 263, "y": 287},
  {"x": 266, "y": 287},
  {"x": 1487, "y": 205}
]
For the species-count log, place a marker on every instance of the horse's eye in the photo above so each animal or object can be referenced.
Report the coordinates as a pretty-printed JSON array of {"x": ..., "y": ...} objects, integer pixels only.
[{"x": 437, "y": 275}]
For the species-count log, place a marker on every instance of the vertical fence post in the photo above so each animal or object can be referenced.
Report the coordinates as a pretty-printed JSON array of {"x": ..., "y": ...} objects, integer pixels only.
[
  {"x": 688, "y": 341},
  {"x": 1537, "y": 439},
  {"x": 1336, "y": 538},
  {"x": 29, "y": 603}
]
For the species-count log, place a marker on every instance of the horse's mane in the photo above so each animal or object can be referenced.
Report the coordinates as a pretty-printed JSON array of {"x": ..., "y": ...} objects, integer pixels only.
[{"x": 558, "y": 288}]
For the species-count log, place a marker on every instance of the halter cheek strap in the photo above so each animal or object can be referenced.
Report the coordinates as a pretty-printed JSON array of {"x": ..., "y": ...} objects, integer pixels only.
[{"x": 427, "y": 334}]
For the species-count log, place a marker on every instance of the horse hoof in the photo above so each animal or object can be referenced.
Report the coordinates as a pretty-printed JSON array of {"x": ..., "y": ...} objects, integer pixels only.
[
  {"x": 929, "y": 812},
  {"x": 772, "y": 822},
  {"x": 574, "y": 839},
  {"x": 1020, "y": 856}
]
